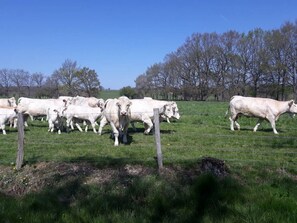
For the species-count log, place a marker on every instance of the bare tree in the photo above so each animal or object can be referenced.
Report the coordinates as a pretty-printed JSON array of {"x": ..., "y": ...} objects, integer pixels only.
[
  {"x": 21, "y": 80},
  {"x": 259, "y": 63},
  {"x": 5, "y": 81}
]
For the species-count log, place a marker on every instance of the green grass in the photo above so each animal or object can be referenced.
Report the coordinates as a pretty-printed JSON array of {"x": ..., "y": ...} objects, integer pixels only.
[
  {"x": 109, "y": 94},
  {"x": 261, "y": 186}
]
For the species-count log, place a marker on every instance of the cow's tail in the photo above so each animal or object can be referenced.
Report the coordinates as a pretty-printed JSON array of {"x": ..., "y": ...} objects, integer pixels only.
[{"x": 227, "y": 112}]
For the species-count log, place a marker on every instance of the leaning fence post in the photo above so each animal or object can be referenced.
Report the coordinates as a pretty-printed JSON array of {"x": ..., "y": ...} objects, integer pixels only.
[
  {"x": 21, "y": 136},
  {"x": 158, "y": 138}
]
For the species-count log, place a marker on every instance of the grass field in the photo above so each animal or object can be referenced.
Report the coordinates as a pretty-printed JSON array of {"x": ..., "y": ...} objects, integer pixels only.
[{"x": 260, "y": 186}]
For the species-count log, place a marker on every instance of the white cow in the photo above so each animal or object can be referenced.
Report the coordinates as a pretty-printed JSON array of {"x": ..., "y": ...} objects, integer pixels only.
[
  {"x": 142, "y": 110},
  {"x": 262, "y": 108},
  {"x": 85, "y": 113},
  {"x": 117, "y": 113},
  {"x": 175, "y": 115},
  {"x": 37, "y": 107},
  {"x": 6, "y": 114},
  {"x": 54, "y": 119},
  {"x": 85, "y": 101},
  {"x": 8, "y": 102}
]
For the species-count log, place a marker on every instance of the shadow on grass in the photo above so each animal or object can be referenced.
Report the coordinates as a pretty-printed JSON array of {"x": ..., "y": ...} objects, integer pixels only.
[{"x": 110, "y": 192}]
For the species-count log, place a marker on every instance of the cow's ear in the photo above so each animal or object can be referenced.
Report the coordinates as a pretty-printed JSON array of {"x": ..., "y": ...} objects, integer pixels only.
[
  {"x": 164, "y": 108},
  {"x": 291, "y": 103}
]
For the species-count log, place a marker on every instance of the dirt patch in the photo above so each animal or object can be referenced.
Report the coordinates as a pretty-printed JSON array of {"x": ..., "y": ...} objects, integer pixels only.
[{"x": 35, "y": 178}]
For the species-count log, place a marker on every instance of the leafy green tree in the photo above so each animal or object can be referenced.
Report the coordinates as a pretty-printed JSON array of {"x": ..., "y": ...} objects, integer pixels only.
[
  {"x": 128, "y": 91},
  {"x": 66, "y": 76},
  {"x": 88, "y": 81}
]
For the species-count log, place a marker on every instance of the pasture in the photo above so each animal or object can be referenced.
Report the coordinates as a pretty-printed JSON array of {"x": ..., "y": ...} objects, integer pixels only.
[{"x": 82, "y": 177}]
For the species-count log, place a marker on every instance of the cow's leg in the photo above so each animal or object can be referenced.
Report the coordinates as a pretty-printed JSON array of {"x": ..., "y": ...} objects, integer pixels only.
[
  {"x": 49, "y": 126},
  {"x": 78, "y": 126},
  {"x": 232, "y": 122},
  {"x": 52, "y": 127},
  {"x": 148, "y": 125},
  {"x": 3, "y": 129},
  {"x": 258, "y": 124},
  {"x": 71, "y": 124},
  {"x": 272, "y": 122},
  {"x": 68, "y": 123},
  {"x": 233, "y": 119},
  {"x": 133, "y": 126},
  {"x": 26, "y": 116},
  {"x": 93, "y": 126},
  {"x": 60, "y": 126},
  {"x": 86, "y": 124},
  {"x": 103, "y": 122},
  {"x": 15, "y": 122},
  {"x": 237, "y": 125},
  {"x": 125, "y": 133},
  {"x": 115, "y": 133}
]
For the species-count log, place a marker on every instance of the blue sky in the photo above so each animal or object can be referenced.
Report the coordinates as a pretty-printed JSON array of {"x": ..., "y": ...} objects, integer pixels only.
[{"x": 120, "y": 39}]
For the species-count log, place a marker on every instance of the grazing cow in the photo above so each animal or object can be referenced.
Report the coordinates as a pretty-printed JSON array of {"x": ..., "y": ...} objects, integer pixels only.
[
  {"x": 6, "y": 114},
  {"x": 85, "y": 113},
  {"x": 142, "y": 110},
  {"x": 262, "y": 108},
  {"x": 117, "y": 113}
]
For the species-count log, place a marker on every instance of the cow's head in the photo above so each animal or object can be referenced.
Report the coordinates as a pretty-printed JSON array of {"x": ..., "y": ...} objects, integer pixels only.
[
  {"x": 175, "y": 111},
  {"x": 167, "y": 110},
  {"x": 101, "y": 103},
  {"x": 123, "y": 104},
  {"x": 12, "y": 102},
  {"x": 292, "y": 107}
]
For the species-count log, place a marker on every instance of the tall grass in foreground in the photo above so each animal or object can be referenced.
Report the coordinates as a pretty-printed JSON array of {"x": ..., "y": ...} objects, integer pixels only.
[{"x": 260, "y": 188}]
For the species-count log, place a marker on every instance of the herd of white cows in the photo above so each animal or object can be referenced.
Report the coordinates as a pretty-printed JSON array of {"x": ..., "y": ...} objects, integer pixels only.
[
  {"x": 122, "y": 111},
  {"x": 118, "y": 112}
]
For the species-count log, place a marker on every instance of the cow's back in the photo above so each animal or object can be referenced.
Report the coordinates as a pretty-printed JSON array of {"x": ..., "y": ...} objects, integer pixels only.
[
  {"x": 253, "y": 106},
  {"x": 140, "y": 107}
]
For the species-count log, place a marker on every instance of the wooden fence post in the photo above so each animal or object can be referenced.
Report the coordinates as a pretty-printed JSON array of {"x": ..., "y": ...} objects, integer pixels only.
[
  {"x": 21, "y": 136},
  {"x": 158, "y": 138}
]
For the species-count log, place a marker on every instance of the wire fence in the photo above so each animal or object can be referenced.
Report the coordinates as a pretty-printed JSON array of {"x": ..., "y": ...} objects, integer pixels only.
[{"x": 192, "y": 137}]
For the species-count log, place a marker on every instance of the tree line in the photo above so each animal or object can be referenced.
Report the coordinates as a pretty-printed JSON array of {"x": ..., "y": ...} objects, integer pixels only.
[
  {"x": 69, "y": 79},
  {"x": 212, "y": 66}
]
